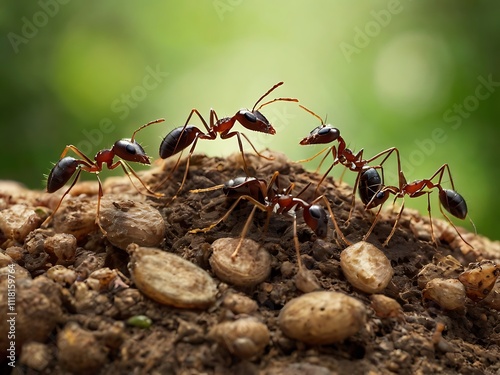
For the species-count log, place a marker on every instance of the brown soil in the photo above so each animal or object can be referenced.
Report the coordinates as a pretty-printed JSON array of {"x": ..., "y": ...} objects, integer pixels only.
[{"x": 58, "y": 314}]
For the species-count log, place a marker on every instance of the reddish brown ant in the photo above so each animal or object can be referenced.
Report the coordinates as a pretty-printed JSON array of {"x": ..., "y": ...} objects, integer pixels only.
[
  {"x": 181, "y": 137},
  {"x": 326, "y": 133},
  {"x": 374, "y": 193},
  {"x": 67, "y": 166},
  {"x": 268, "y": 197}
]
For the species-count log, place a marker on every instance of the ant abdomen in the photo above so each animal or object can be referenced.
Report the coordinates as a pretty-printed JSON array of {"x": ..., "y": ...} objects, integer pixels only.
[
  {"x": 61, "y": 173},
  {"x": 369, "y": 184},
  {"x": 177, "y": 140},
  {"x": 317, "y": 219},
  {"x": 454, "y": 203}
]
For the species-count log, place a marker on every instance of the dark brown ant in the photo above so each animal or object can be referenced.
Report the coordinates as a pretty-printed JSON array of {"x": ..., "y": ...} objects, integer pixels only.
[
  {"x": 126, "y": 149},
  {"x": 374, "y": 193},
  {"x": 326, "y": 133},
  {"x": 181, "y": 137},
  {"x": 268, "y": 197}
]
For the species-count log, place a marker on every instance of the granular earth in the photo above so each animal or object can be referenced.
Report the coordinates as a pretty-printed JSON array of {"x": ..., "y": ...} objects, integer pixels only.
[{"x": 67, "y": 322}]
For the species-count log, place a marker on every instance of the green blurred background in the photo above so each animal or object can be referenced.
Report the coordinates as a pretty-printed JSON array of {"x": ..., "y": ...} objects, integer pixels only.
[{"x": 423, "y": 76}]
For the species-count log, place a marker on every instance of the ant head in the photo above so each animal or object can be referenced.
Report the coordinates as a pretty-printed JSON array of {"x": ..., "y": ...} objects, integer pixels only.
[
  {"x": 236, "y": 182},
  {"x": 317, "y": 219},
  {"x": 254, "y": 120},
  {"x": 321, "y": 134},
  {"x": 453, "y": 202},
  {"x": 130, "y": 150},
  {"x": 325, "y": 133},
  {"x": 378, "y": 199},
  {"x": 61, "y": 173}
]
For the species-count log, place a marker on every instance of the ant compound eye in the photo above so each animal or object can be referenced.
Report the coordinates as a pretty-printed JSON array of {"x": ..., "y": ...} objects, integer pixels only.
[
  {"x": 316, "y": 212},
  {"x": 131, "y": 149},
  {"x": 250, "y": 116},
  {"x": 324, "y": 131}
]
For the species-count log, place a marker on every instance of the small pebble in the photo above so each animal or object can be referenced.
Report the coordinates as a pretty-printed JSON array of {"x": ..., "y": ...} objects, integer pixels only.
[
  {"x": 246, "y": 338},
  {"x": 449, "y": 294},
  {"x": 322, "y": 317},
  {"x": 240, "y": 304},
  {"x": 63, "y": 246},
  {"x": 17, "y": 221},
  {"x": 366, "y": 267},
  {"x": 169, "y": 279},
  {"x": 386, "y": 307},
  {"x": 76, "y": 216},
  {"x": 250, "y": 267},
  {"x": 79, "y": 350},
  {"x": 127, "y": 221},
  {"x": 61, "y": 275}
]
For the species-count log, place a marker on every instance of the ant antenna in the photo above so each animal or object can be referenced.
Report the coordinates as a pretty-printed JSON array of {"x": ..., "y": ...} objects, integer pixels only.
[
  {"x": 312, "y": 113},
  {"x": 146, "y": 125},
  {"x": 266, "y": 94}
]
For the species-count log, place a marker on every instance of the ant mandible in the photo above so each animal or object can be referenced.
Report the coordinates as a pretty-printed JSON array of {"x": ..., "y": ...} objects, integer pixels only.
[
  {"x": 326, "y": 133},
  {"x": 181, "y": 137},
  {"x": 126, "y": 149},
  {"x": 374, "y": 193},
  {"x": 269, "y": 198}
]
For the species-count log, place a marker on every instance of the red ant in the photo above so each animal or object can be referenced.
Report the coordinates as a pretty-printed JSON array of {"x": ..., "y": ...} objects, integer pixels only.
[
  {"x": 181, "y": 137},
  {"x": 326, "y": 133},
  {"x": 269, "y": 198},
  {"x": 374, "y": 193},
  {"x": 67, "y": 166}
]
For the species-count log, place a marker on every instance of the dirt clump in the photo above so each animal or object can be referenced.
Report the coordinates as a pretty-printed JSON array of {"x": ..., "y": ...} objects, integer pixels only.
[{"x": 80, "y": 311}]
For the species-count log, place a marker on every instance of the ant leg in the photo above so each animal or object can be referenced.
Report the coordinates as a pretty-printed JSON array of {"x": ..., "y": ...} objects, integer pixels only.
[
  {"x": 75, "y": 149},
  {"x": 330, "y": 211},
  {"x": 296, "y": 243},
  {"x": 367, "y": 234},
  {"x": 454, "y": 227},
  {"x": 129, "y": 171},
  {"x": 240, "y": 145},
  {"x": 274, "y": 180},
  {"x": 98, "y": 217},
  {"x": 440, "y": 172},
  {"x": 51, "y": 216},
  {"x": 212, "y": 188},
  {"x": 226, "y": 215},
  {"x": 243, "y": 233},
  {"x": 253, "y": 147},
  {"x": 195, "y": 111},
  {"x": 314, "y": 157},
  {"x": 188, "y": 162},
  {"x": 353, "y": 200},
  {"x": 430, "y": 218},
  {"x": 386, "y": 242}
]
